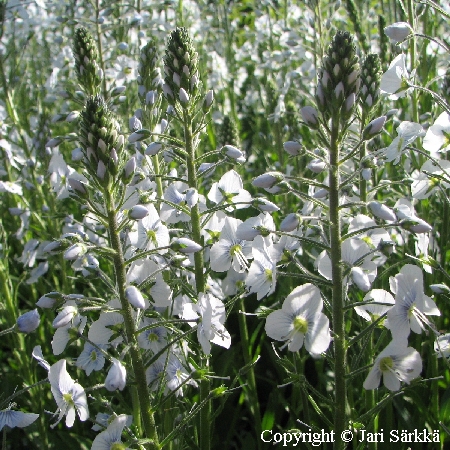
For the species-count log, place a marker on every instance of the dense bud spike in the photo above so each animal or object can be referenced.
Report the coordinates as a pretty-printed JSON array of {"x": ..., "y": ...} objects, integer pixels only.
[
  {"x": 181, "y": 65},
  {"x": 339, "y": 77},
  {"x": 99, "y": 137},
  {"x": 370, "y": 82},
  {"x": 85, "y": 53}
]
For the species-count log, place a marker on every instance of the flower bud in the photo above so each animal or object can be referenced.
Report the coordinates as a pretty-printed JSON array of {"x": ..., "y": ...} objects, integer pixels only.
[
  {"x": 138, "y": 212},
  {"x": 398, "y": 31},
  {"x": 268, "y": 180},
  {"x": 382, "y": 211},
  {"x": 232, "y": 152},
  {"x": 74, "y": 251},
  {"x": 134, "y": 297},
  {"x": 316, "y": 165},
  {"x": 28, "y": 322},
  {"x": 183, "y": 96},
  {"x": 290, "y": 223},
  {"x": 185, "y": 245},
  {"x": 264, "y": 205},
  {"x": 292, "y": 147},
  {"x": 65, "y": 316},
  {"x": 360, "y": 278},
  {"x": 117, "y": 376},
  {"x": 374, "y": 127},
  {"x": 153, "y": 148},
  {"x": 310, "y": 116}
]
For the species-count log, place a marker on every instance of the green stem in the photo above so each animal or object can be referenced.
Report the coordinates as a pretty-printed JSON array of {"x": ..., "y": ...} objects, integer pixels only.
[
  {"x": 253, "y": 402},
  {"x": 136, "y": 359},
  {"x": 200, "y": 282},
  {"x": 412, "y": 53},
  {"x": 340, "y": 399}
]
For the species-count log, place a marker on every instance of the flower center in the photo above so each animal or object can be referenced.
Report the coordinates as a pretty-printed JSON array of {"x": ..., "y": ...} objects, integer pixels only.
[
  {"x": 152, "y": 337},
  {"x": 300, "y": 324},
  {"x": 386, "y": 364},
  {"x": 151, "y": 235},
  {"x": 93, "y": 355},
  {"x": 235, "y": 249},
  {"x": 268, "y": 274},
  {"x": 117, "y": 446},
  {"x": 68, "y": 399}
]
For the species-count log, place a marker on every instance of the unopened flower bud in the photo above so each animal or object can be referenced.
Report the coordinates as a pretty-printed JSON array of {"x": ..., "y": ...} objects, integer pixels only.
[
  {"x": 416, "y": 225},
  {"x": 292, "y": 147},
  {"x": 310, "y": 116},
  {"x": 185, "y": 245},
  {"x": 316, "y": 165},
  {"x": 153, "y": 148},
  {"x": 440, "y": 288},
  {"x": 65, "y": 316},
  {"x": 232, "y": 152},
  {"x": 209, "y": 98},
  {"x": 138, "y": 212},
  {"x": 134, "y": 297},
  {"x": 264, "y": 205},
  {"x": 117, "y": 376},
  {"x": 382, "y": 211},
  {"x": 183, "y": 96},
  {"x": 398, "y": 31},
  {"x": 74, "y": 251},
  {"x": 28, "y": 322},
  {"x": 290, "y": 223},
  {"x": 49, "y": 300},
  {"x": 191, "y": 197},
  {"x": 360, "y": 278},
  {"x": 374, "y": 127},
  {"x": 268, "y": 180}
]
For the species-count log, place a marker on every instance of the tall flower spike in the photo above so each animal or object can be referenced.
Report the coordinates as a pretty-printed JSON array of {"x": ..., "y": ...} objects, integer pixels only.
[
  {"x": 370, "y": 82},
  {"x": 85, "y": 53},
  {"x": 339, "y": 78},
  {"x": 149, "y": 79},
  {"x": 100, "y": 140},
  {"x": 181, "y": 68}
]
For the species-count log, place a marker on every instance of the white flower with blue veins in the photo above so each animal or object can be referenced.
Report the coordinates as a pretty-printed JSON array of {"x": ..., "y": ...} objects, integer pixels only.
[
  {"x": 396, "y": 363},
  {"x": 111, "y": 438},
  {"x": 300, "y": 321},
  {"x": 412, "y": 306},
  {"x": 69, "y": 396}
]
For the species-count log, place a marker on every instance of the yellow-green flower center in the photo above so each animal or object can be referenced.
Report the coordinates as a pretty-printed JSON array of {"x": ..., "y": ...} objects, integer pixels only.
[
  {"x": 93, "y": 355},
  {"x": 235, "y": 249},
  {"x": 152, "y": 337},
  {"x": 118, "y": 446},
  {"x": 68, "y": 399},
  {"x": 386, "y": 364},
  {"x": 268, "y": 274},
  {"x": 300, "y": 324}
]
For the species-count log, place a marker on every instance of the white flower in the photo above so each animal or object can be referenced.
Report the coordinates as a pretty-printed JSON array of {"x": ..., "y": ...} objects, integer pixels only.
[
  {"x": 210, "y": 314},
  {"x": 407, "y": 132},
  {"x": 111, "y": 437},
  {"x": 384, "y": 301},
  {"x": 13, "y": 419},
  {"x": 230, "y": 251},
  {"x": 301, "y": 321},
  {"x": 91, "y": 358},
  {"x": 411, "y": 304},
  {"x": 69, "y": 396},
  {"x": 442, "y": 346},
  {"x": 437, "y": 137},
  {"x": 229, "y": 190},
  {"x": 392, "y": 80},
  {"x": 261, "y": 279},
  {"x": 353, "y": 250},
  {"x": 396, "y": 363},
  {"x": 153, "y": 339},
  {"x": 427, "y": 183}
]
